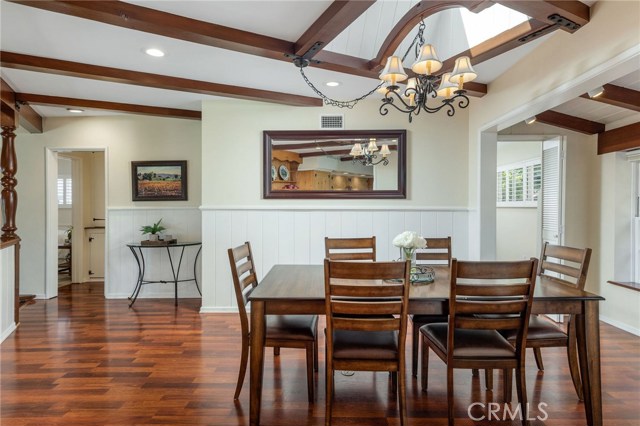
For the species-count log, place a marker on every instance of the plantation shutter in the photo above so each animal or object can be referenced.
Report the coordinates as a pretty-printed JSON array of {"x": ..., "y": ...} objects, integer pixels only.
[{"x": 551, "y": 192}]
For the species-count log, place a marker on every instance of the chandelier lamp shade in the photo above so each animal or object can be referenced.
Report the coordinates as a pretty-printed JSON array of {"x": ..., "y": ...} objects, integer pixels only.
[
  {"x": 367, "y": 155},
  {"x": 425, "y": 90}
]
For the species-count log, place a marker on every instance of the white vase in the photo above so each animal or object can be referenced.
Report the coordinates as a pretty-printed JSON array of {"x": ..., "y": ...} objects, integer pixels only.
[{"x": 154, "y": 237}]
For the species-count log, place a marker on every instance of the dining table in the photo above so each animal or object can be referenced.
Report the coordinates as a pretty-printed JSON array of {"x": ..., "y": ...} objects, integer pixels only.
[{"x": 299, "y": 289}]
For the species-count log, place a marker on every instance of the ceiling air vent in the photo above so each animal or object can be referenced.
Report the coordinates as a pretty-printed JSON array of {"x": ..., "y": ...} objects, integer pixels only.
[{"x": 329, "y": 122}]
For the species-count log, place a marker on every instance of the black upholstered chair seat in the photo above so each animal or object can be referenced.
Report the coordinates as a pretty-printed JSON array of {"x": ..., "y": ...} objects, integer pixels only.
[
  {"x": 470, "y": 343},
  {"x": 294, "y": 327},
  {"x": 379, "y": 345},
  {"x": 540, "y": 328}
]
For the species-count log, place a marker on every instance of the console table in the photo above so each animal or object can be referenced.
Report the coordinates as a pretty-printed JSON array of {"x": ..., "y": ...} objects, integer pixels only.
[{"x": 138, "y": 252}]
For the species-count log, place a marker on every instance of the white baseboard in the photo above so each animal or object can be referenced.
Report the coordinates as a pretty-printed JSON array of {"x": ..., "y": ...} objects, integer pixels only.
[
  {"x": 620, "y": 325},
  {"x": 6, "y": 333},
  {"x": 218, "y": 309}
]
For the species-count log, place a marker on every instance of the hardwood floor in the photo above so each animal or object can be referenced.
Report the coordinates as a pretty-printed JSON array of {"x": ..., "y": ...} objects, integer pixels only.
[{"x": 83, "y": 360}]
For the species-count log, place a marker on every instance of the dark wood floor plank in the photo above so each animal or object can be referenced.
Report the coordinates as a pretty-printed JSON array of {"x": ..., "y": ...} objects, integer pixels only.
[{"x": 83, "y": 360}]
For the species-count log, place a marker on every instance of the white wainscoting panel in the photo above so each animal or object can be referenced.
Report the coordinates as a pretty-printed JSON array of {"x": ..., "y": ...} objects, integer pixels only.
[
  {"x": 296, "y": 236},
  {"x": 7, "y": 292},
  {"x": 122, "y": 271}
]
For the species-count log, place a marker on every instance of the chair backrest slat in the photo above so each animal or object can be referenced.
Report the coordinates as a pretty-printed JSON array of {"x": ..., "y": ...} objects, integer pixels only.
[
  {"x": 366, "y": 324},
  {"x": 499, "y": 290},
  {"x": 363, "y": 307},
  {"x": 363, "y": 290},
  {"x": 438, "y": 251},
  {"x": 488, "y": 323},
  {"x": 503, "y": 288},
  {"x": 370, "y": 270},
  {"x": 493, "y": 270},
  {"x": 472, "y": 307},
  {"x": 350, "y": 248},
  {"x": 560, "y": 269},
  {"x": 569, "y": 262}
]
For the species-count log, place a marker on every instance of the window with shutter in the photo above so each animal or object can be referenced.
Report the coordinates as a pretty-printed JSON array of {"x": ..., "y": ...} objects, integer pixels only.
[{"x": 518, "y": 184}]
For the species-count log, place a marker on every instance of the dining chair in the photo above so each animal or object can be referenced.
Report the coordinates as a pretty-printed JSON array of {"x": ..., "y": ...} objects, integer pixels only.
[
  {"x": 437, "y": 252},
  {"x": 282, "y": 331},
  {"x": 366, "y": 311},
  {"x": 350, "y": 248},
  {"x": 572, "y": 264},
  {"x": 469, "y": 339}
]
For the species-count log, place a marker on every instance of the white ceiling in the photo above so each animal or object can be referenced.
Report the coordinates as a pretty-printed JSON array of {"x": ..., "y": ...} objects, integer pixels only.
[{"x": 32, "y": 31}]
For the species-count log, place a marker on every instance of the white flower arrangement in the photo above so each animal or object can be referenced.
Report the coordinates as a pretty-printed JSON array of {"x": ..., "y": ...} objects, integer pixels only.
[{"x": 409, "y": 240}]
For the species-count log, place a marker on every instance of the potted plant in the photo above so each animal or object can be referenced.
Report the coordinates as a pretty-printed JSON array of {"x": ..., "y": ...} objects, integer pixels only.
[{"x": 153, "y": 230}]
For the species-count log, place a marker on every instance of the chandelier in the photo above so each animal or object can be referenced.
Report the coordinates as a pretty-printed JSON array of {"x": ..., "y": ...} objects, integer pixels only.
[
  {"x": 367, "y": 154},
  {"x": 414, "y": 98}
]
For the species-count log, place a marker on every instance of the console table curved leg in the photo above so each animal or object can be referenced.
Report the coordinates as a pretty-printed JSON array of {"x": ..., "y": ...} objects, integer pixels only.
[
  {"x": 175, "y": 272},
  {"x": 136, "y": 290},
  {"x": 195, "y": 275}
]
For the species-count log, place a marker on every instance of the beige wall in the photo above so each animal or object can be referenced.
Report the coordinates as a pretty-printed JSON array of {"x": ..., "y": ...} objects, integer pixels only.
[
  {"x": 520, "y": 221},
  {"x": 126, "y": 138},
  {"x": 232, "y": 145}
]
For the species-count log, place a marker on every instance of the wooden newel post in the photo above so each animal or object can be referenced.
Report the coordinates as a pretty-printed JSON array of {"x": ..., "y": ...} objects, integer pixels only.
[{"x": 9, "y": 164}]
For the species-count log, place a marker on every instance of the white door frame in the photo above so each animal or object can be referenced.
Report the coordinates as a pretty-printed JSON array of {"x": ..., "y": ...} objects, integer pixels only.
[{"x": 51, "y": 218}]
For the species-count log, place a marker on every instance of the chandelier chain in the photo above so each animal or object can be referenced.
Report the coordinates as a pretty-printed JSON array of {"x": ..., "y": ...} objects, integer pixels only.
[
  {"x": 418, "y": 41},
  {"x": 333, "y": 102}
]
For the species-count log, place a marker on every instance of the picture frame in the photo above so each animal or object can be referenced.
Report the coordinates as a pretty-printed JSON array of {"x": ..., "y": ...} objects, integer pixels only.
[{"x": 159, "y": 180}]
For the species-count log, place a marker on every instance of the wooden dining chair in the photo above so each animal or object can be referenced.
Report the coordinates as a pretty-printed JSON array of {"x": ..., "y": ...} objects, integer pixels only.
[
  {"x": 471, "y": 340},
  {"x": 282, "y": 331},
  {"x": 437, "y": 252},
  {"x": 350, "y": 248},
  {"x": 366, "y": 309},
  {"x": 572, "y": 264}
]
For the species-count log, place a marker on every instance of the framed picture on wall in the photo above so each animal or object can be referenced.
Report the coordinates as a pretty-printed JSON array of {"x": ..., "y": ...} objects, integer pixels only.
[{"x": 159, "y": 180}]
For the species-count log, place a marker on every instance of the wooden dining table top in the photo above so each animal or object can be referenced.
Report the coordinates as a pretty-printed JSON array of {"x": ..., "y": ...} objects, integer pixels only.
[{"x": 306, "y": 282}]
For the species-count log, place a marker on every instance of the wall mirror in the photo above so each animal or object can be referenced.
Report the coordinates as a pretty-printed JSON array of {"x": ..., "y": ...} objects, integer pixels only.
[{"x": 334, "y": 164}]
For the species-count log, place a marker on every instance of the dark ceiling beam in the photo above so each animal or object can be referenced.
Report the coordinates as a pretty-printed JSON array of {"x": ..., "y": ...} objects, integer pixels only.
[
  {"x": 570, "y": 122},
  {"x": 161, "y": 23},
  {"x": 23, "y": 115},
  {"x": 572, "y": 10},
  {"x": 408, "y": 22},
  {"x": 338, "y": 16},
  {"x": 620, "y": 139},
  {"x": 116, "y": 75},
  {"x": 153, "y": 21},
  {"x": 34, "y": 99},
  {"x": 618, "y": 96},
  {"x": 510, "y": 39}
]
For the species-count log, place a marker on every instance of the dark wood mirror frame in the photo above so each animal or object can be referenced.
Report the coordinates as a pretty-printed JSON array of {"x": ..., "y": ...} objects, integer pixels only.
[{"x": 297, "y": 135}]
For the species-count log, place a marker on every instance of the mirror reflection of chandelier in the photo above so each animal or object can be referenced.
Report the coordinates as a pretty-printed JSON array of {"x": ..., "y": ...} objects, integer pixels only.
[
  {"x": 368, "y": 154},
  {"x": 423, "y": 86}
]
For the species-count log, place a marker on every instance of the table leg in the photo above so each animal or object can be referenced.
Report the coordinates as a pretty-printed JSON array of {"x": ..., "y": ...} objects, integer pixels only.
[
  {"x": 176, "y": 274},
  {"x": 141, "y": 266},
  {"x": 195, "y": 270},
  {"x": 258, "y": 322},
  {"x": 588, "y": 339}
]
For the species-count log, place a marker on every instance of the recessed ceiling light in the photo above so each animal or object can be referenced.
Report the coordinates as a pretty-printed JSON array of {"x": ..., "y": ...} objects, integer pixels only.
[
  {"x": 596, "y": 92},
  {"x": 333, "y": 83},
  {"x": 154, "y": 52},
  {"x": 75, "y": 110}
]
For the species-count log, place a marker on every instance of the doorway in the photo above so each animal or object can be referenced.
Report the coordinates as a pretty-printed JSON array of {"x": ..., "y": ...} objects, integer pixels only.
[{"x": 76, "y": 217}]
